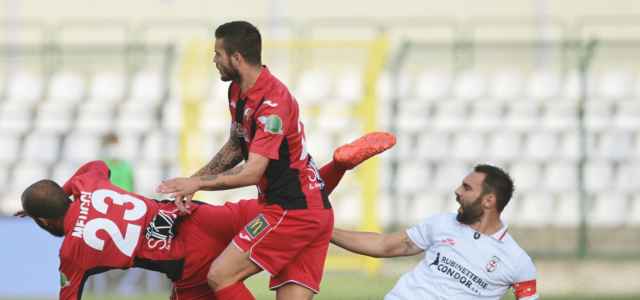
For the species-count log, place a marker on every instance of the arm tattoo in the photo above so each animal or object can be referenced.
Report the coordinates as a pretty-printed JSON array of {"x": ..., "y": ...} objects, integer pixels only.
[
  {"x": 229, "y": 155},
  {"x": 222, "y": 185}
]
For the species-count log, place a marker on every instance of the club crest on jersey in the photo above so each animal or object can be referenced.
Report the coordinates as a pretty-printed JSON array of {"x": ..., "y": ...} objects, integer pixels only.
[
  {"x": 271, "y": 123},
  {"x": 258, "y": 225},
  {"x": 492, "y": 265}
]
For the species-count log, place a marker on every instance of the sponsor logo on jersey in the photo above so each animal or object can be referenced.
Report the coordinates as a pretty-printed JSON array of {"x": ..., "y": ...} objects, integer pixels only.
[
  {"x": 271, "y": 123},
  {"x": 448, "y": 241},
  {"x": 64, "y": 281},
  {"x": 459, "y": 273},
  {"x": 161, "y": 230},
  {"x": 492, "y": 265},
  {"x": 244, "y": 237},
  {"x": 258, "y": 225}
]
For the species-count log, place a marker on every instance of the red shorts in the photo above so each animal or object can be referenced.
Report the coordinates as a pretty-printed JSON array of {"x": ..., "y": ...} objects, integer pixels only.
[
  {"x": 289, "y": 244},
  {"x": 201, "y": 292}
]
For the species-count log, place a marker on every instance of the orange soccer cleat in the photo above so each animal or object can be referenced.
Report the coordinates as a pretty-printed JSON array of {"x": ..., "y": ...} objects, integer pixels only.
[{"x": 350, "y": 155}]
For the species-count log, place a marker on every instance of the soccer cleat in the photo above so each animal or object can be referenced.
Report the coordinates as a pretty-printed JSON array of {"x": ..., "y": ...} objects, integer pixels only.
[{"x": 350, "y": 155}]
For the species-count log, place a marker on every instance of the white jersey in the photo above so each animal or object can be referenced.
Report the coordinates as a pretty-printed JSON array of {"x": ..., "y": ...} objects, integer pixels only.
[{"x": 461, "y": 263}]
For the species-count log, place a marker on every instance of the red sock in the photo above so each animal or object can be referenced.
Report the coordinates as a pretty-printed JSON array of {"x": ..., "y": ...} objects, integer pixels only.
[
  {"x": 331, "y": 174},
  {"x": 236, "y": 291}
]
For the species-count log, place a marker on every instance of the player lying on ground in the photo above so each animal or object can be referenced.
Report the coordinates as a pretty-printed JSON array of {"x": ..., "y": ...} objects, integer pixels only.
[
  {"x": 467, "y": 256},
  {"x": 105, "y": 227}
]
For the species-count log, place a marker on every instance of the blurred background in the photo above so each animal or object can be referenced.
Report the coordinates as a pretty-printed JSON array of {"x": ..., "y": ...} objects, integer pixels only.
[{"x": 548, "y": 90}]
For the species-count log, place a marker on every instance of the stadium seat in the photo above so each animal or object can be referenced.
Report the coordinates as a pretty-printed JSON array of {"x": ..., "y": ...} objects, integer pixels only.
[
  {"x": 626, "y": 179},
  {"x": 147, "y": 176},
  {"x": 160, "y": 147},
  {"x": 412, "y": 178},
  {"x": 81, "y": 147},
  {"x": 314, "y": 87},
  {"x": 451, "y": 115},
  {"x": 389, "y": 87},
  {"x": 66, "y": 87},
  {"x": 129, "y": 146},
  {"x": 627, "y": 115},
  {"x": 598, "y": 115},
  {"x": 507, "y": 85},
  {"x": 570, "y": 145},
  {"x": 25, "y": 173},
  {"x": 470, "y": 85},
  {"x": 107, "y": 86},
  {"x": 449, "y": 176},
  {"x": 62, "y": 171},
  {"x": 349, "y": 86},
  {"x": 136, "y": 118},
  {"x": 468, "y": 146},
  {"x": 541, "y": 145},
  {"x": 335, "y": 118},
  {"x": 560, "y": 115},
  {"x": 321, "y": 145},
  {"x": 95, "y": 118},
  {"x": 567, "y": 209},
  {"x": 10, "y": 202},
  {"x": 571, "y": 88},
  {"x": 486, "y": 116},
  {"x": 536, "y": 209},
  {"x": 614, "y": 145},
  {"x": 54, "y": 117},
  {"x": 24, "y": 88},
  {"x": 413, "y": 116},
  {"x": 598, "y": 176},
  {"x": 613, "y": 85},
  {"x": 15, "y": 118},
  {"x": 504, "y": 145},
  {"x": 148, "y": 86},
  {"x": 215, "y": 117},
  {"x": 432, "y": 146},
  {"x": 633, "y": 213},
  {"x": 433, "y": 85},
  {"x": 608, "y": 209},
  {"x": 41, "y": 147},
  {"x": 9, "y": 152},
  {"x": 219, "y": 92},
  {"x": 427, "y": 204},
  {"x": 560, "y": 176},
  {"x": 543, "y": 85},
  {"x": 172, "y": 116},
  {"x": 526, "y": 176},
  {"x": 522, "y": 116}
]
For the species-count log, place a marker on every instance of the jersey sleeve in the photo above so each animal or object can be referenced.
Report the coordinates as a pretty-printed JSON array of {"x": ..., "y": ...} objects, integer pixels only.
[
  {"x": 71, "y": 282},
  {"x": 271, "y": 125},
  {"x": 524, "y": 286},
  {"x": 422, "y": 234},
  {"x": 98, "y": 169}
]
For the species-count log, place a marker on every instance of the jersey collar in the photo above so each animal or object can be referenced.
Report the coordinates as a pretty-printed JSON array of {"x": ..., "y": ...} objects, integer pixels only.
[
  {"x": 260, "y": 87},
  {"x": 502, "y": 233}
]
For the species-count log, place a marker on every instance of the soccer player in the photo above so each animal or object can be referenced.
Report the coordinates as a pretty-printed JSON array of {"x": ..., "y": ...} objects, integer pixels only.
[
  {"x": 468, "y": 255},
  {"x": 292, "y": 231},
  {"x": 106, "y": 227}
]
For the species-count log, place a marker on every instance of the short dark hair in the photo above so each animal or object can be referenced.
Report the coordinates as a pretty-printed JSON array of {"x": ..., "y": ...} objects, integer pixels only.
[
  {"x": 498, "y": 182},
  {"x": 242, "y": 37},
  {"x": 45, "y": 199}
]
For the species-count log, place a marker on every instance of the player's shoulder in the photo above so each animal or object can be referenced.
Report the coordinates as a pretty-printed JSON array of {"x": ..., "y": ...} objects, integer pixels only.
[{"x": 513, "y": 248}]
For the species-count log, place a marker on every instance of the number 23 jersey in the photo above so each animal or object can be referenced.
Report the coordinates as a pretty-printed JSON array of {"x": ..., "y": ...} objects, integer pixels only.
[{"x": 108, "y": 228}]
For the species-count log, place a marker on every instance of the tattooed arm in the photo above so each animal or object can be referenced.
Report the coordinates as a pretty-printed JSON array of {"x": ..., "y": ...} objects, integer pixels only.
[
  {"x": 246, "y": 174},
  {"x": 229, "y": 155},
  {"x": 375, "y": 244}
]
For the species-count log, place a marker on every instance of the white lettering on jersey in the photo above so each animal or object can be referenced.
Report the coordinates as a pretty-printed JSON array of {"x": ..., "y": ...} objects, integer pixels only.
[
  {"x": 269, "y": 103},
  {"x": 126, "y": 242}
]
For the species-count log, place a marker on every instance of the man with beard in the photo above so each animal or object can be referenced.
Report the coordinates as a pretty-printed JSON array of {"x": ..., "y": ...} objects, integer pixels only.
[{"x": 468, "y": 255}]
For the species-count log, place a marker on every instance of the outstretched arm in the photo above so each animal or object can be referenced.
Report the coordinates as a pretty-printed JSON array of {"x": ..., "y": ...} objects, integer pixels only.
[{"x": 375, "y": 244}]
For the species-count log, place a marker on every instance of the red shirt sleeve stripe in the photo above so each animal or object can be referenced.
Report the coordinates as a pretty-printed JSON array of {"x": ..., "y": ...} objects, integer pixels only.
[{"x": 525, "y": 289}]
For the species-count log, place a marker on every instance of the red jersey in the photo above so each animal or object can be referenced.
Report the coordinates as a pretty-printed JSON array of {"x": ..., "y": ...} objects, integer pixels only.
[
  {"x": 108, "y": 228},
  {"x": 267, "y": 117}
]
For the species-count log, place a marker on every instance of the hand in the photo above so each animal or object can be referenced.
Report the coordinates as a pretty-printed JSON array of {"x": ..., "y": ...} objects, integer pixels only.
[
  {"x": 182, "y": 189},
  {"x": 21, "y": 214}
]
